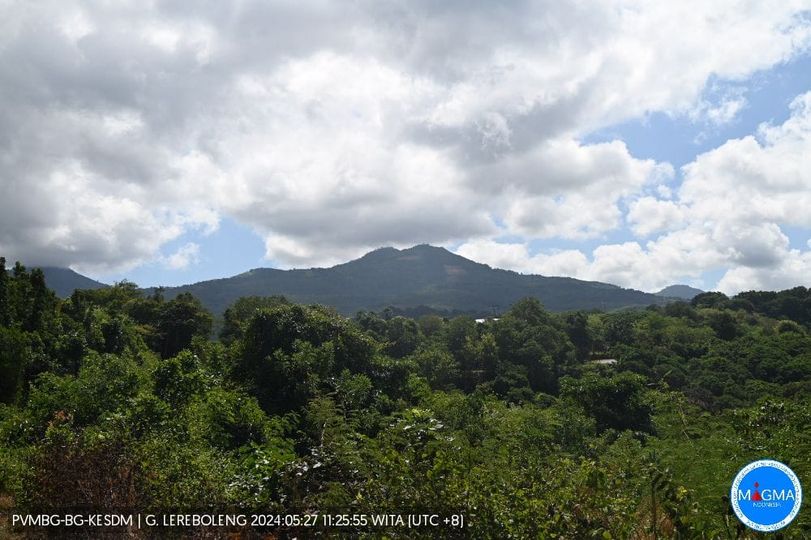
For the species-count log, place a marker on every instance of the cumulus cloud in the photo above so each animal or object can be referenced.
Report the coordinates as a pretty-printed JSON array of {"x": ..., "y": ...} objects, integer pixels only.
[
  {"x": 648, "y": 215},
  {"x": 721, "y": 106},
  {"x": 629, "y": 264},
  {"x": 792, "y": 269},
  {"x": 564, "y": 189},
  {"x": 727, "y": 215},
  {"x": 516, "y": 256},
  {"x": 747, "y": 189},
  {"x": 185, "y": 256},
  {"x": 331, "y": 128}
]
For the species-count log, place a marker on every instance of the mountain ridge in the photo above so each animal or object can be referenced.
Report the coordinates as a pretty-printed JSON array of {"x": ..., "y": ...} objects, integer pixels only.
[
  {"x": 63, "y": 281},
  {"x": 422, "y": 276}
]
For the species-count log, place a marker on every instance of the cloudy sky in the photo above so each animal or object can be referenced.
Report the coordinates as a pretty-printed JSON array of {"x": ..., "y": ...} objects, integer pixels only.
[{"x": 637, "y": 142}]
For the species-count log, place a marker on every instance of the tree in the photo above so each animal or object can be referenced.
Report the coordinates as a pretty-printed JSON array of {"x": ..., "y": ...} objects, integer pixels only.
[
  {"x": 402, "y": 336},
  {"x": 480, "y": 360},
  {"x": 13, "y": 362},
  {"x": 578, "y": 332},
  {"x": 180, "y": 320},
  {"x": 236, "y": 317},
  {"x": 616, "y": 402},
  {"x": 42, "y": 301},
  {"x": 456, "y": 334},
  {"x": 439, "y": 367},
  {"x": 723, "y": 323},
  {"x": 619, "y": 328},
  {"x": 288, "y": 352},
  {"x": 529, "y": 336},
  {"x": 710, "y": 299},
  {"x": 19, "y": 295},
  {"x": 177, "y": 379},
  {"x": 430, "y": 325},
  {"x": 5, "y": 309}
]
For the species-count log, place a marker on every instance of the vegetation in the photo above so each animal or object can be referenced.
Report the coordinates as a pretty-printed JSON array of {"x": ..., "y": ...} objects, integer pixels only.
[{"x": 114, "y": 398}]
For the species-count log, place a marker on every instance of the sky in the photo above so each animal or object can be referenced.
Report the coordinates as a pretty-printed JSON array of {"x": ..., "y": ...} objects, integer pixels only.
[{"x": 634, "y": 142}]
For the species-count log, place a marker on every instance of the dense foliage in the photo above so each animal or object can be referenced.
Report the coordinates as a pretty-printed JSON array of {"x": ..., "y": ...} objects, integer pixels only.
[{"x": 522, "y": 423}]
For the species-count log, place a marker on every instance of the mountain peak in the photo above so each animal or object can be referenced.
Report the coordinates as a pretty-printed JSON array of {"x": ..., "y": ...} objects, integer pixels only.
[
  {"x": 426, "y": 248},
  {"x": 424, "y": 252},
  {"x": 63, "y": 281},
  {"x": 418, "y": 248},
  {"x": 384, "y": 251},
  {"x": 423, "y": 277},
  {"x": 685, "y": 292}
]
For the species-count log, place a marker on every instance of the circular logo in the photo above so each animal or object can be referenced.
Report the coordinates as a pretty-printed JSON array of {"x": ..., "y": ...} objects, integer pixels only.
[{"x": 766, "y": 495}]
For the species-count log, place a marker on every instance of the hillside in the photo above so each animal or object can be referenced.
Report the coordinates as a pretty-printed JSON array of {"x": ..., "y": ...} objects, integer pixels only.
[
  {"x": 421, "y": 276},
  {"x": 63, "y": 281},
  {"x": 683, "y": 292}
]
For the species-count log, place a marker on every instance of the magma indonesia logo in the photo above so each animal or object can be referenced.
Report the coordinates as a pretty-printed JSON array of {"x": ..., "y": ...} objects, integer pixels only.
[{"x": 766, "y": 495}]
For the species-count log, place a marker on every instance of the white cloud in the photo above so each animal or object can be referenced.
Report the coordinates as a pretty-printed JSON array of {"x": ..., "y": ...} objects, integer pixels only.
[
  {"x": 722, "y": 109},
  {"x": 727, "y": 216},
  {"x": 648, "y": 215},
  {"x": 664, "y": 191},
  {"x": 748, "y": 188},
  {"x": 729, "y": 212},
  {"x": 725, "y": 111},
  {"x": 330, "y": 128},
  {"x": 517, "y": 257},
  {"x": 561, "y": 188},
  {"x": 629, "y": 264},
  {"x": 185, "y": 256},
  {"x": 793, "y": 269}
]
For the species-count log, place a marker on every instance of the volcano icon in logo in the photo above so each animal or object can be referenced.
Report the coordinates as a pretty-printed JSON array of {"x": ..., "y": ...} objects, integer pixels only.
[{"x": 766, "y": 495}]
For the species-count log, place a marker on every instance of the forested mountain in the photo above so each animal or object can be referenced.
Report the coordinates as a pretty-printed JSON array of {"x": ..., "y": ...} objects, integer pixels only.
[
  {"x": 683, "y": 292},
  {"x": 423, "y": 276},
  {"x": 63, "y": 281}
]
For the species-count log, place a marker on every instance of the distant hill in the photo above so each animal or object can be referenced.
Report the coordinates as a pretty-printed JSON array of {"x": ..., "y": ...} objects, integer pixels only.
[
  {"x": 684, "y": 292},
  {"x": 423, "y": 277},
  {"x": 63, "y": 281}
]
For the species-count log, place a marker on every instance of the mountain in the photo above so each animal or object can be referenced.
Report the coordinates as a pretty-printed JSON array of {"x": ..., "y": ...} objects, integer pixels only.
[
  {"x": 64, "y": 281},
  {"x": 422, "y": 277},
  {"x": 683, "y": 292}
]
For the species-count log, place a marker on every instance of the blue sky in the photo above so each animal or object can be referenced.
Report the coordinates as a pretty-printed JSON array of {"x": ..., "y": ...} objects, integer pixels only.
[
  {"x": 641, "y": 144},
  {"x": 679, "y": 139},
  {"x": 229, "y": 250}
]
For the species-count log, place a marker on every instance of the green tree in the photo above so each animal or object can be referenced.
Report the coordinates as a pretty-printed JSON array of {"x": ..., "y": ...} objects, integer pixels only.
[
  {"x": 13, "y": 363},
  {"x": 5, "y": 308},
  {"x": 279, "y": 328},
  {"x": 577, "y": 329},
  {"x": 178, "y": 379},
  {"x": 402, "y": 336},
  {"x": 710, "y": 300},
  {"x": 179, "y": 321},
  {"x": 236, "y": 317},
  {"x": 529, "y": 336},
  {"x": 439, "y": 367},
  {"x": 616, "y": 402},
  {"x": 42, "y": 301}
]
